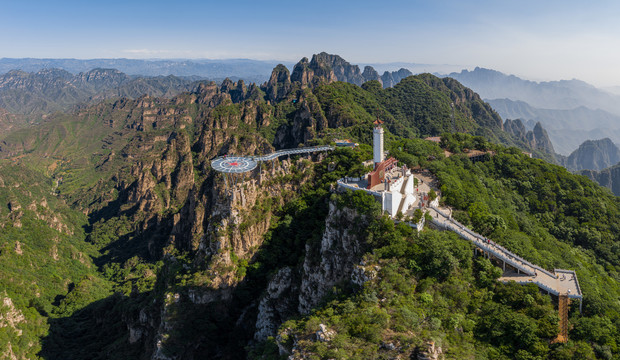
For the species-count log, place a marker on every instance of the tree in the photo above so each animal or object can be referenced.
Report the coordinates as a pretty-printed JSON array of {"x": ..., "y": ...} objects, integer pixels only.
[
  {"x": 432, "y": 195},
  {"x": 417, "y": 216}
]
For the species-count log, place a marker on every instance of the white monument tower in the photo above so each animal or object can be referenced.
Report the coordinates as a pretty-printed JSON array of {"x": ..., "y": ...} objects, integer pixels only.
[{"x": 377, "y": 143}]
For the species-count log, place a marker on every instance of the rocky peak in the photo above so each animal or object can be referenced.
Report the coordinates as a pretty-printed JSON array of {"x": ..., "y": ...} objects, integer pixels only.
[
  {"x": 371, "y": 74},
  {"x": 389, "y": 79},
  {"x": 537, "y": 139},
  {"x": 541, "y": 139},
  {"x": 516, "y": 128},
  {"x": 209, "y": 93},
  {"x": 227, "y": 85},
  {"x": 328, "y": 68},
  {"x": 240, "y": 92},
  {"x": 100, "y": 79},
  {"x": 279, "y": 84},
  {"x": 52, "y": 73},
  {"x": 334, "y": 68},
  {"x": 593, "y": 155},
  {"x": 302, "y": 72}
]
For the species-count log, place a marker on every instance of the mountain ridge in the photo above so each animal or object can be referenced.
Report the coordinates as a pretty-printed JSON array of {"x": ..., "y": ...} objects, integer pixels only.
[
  {"x": 50, "y": 90},
  {"x": 562, "y": 94},
  {"x": 567, "y": 128}
]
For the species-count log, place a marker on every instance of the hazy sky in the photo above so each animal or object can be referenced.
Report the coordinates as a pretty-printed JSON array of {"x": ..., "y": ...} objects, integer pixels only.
[{"x": 539, "y": 40}]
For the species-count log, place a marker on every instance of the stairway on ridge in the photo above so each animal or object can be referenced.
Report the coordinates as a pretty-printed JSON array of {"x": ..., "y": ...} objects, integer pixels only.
[
  {"x": 403, "y": 191},
  {"x": 563, "y": 303}
]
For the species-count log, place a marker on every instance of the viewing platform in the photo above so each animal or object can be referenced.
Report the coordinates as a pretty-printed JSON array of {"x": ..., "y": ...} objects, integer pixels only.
[{"x": 559, "y": 282}]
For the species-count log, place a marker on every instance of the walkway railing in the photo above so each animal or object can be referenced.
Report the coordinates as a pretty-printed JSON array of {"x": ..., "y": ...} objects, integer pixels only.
[
  {"x": 301, "y": 150},
  {"x": 503, "y": 254},
  {"x": 352, "y": 187}
]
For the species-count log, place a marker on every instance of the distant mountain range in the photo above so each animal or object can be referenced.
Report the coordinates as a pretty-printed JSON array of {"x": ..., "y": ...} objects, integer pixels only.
[
  {"x": 563, "y": 94},
  {"x": 50, "y": 90},
  {"x": 248, "y": 70},
  {"x": 35, "y": 94},
  {"x": 567, "y": 128},
  {"x": 572, "y": 111},
  {"x": 53, "y": 84}
]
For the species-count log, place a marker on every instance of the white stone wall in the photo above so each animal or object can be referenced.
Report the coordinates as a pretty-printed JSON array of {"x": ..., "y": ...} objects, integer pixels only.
[{"x": 391, "y": 202}]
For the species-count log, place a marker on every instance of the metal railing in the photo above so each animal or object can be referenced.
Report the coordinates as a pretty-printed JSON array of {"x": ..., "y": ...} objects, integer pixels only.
[
  {"x": 302, "y": 150},
  {"x": 505, "y": 252}
]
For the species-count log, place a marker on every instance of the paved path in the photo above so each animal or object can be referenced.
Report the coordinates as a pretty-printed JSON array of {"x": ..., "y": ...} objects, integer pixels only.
[
  {"x": 559, "y": 282},
  {"x": 241, "y": 164}
]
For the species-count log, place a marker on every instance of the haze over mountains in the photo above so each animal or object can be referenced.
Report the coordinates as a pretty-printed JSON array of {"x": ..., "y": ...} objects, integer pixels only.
[
  {"x": 249, "y": 70},
  {"x": 572, "y": 111},
  {"x": 562, "y": 94},
  {"x": 567, "y": 128}
]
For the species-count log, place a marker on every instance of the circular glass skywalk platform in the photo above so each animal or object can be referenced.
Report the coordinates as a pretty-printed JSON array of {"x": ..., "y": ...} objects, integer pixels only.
[{"x": 233, "y": 164}]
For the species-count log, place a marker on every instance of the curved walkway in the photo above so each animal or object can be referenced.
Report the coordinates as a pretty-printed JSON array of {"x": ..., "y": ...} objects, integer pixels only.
[
  {"x": 241, "y": 164},
  {"x": 559, "y": 282}
]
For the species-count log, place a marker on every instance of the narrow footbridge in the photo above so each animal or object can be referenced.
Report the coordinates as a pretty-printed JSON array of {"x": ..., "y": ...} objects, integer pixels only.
[
  {"x": 241, "y": 164},
  {"x": 560, "y": 282}
]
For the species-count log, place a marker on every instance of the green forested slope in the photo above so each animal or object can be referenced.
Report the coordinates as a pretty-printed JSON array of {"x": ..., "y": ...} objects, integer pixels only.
[
  {"x": 46, "y": 266},
  {"x": 427, "y": 287}
]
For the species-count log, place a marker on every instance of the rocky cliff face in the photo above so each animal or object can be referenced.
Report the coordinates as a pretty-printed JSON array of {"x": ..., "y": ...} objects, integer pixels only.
[
  {"x": 536, "y": 139},
  {"x": 609, "y": 178},
  {"x": 371, "y": 74},
  {"x": 307, "y": 120},
  {"x": 540, "y": 139},
  {"x": 334, "y": 67},
  {"x": 389, "y": 79},
  {"x": 331, "y": 262},
  {"x": 593, "y": 155},
  {"x": 329, "y": 68},
  {"x": 279, "y": 84},
  {"x": 340, "y": 250}
]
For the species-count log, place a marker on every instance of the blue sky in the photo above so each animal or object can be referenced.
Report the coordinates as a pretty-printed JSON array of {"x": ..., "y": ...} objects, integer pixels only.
[{"x": 539, "y": 40}]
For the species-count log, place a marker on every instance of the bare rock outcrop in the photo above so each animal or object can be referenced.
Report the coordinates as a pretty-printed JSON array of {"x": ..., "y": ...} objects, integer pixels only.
[
  {"x": 278, "y": 304},
  {"x": 336, "y": 258},
  {"x": 279, "y": 84}
]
